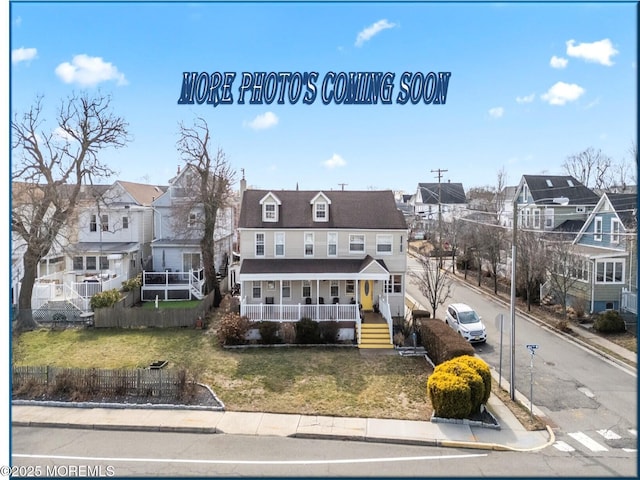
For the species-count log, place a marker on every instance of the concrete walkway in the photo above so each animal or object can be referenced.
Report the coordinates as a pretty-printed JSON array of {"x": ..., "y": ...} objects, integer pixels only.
[{"x": 511, "y": 435}]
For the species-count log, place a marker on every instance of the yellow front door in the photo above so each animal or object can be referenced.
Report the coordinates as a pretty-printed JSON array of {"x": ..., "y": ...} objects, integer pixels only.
[{"x": 366, "y": 294}]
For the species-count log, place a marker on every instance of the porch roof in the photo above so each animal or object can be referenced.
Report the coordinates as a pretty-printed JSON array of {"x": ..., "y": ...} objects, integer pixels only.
[
  {"x": 312, "y": 268},
  {"x": 106, "y": 247}
]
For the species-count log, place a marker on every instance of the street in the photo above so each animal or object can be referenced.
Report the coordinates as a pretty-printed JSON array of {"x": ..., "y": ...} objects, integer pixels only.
[
  {"x": 590, "y": 402},
  {"x": 152, "y": 454}
]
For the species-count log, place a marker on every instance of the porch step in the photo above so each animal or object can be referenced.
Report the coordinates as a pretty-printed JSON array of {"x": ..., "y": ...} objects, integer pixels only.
[{"x": 375, "y": 335}]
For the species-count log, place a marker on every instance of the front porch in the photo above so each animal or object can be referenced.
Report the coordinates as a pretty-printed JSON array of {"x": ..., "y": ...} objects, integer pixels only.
[
  {"x": 168, "y": 285},
  {"x": 370, "y": 329}
]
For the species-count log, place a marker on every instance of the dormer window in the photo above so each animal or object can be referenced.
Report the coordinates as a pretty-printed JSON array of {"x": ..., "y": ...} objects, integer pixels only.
[
  {"x": 270, "y": 204},
  {"x": 320, "y": 205},
  {"x": 270, "y": 212},
  {"x": 320, "y": 212}
]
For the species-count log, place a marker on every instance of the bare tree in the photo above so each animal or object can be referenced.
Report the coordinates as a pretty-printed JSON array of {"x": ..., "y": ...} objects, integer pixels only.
[
  {"x": 52, "y": 167},
  {"x": 500, "y": 194},
  {"x": 564, "y": 270},
  {"x": 532, "y": 262},
  {"x": 492, "y": 240},
  {"x": 211, "y": 191},
  {"x": 590, "y": 167},
  {"x": 433, "y": 282}
]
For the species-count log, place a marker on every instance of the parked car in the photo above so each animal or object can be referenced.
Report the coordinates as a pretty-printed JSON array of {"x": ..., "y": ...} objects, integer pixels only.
[{"x": 464, "y": 320}]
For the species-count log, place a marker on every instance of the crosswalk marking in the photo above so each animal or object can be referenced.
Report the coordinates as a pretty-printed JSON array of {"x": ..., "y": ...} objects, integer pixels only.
[
  {"x": 609, "y": 434},
  {"x": 564, "y": 447},
  {"x": 630, "y": 450},
  {"x": 588, "y": 442}
]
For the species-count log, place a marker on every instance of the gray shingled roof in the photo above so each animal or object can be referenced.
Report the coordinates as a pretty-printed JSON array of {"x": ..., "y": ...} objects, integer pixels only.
[
  {"x": 626, "y": 206},
  {"x": 371, "y": 209},
  {"x": 450, "y": 193},
  {"x": 544, "y": 188}
]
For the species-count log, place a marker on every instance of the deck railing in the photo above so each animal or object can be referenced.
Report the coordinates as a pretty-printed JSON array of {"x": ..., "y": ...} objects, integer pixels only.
[{"x": 629, "y": 301}]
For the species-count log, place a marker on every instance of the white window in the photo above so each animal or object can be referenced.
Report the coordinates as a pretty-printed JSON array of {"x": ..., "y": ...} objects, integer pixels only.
[
  {"x": 308, "y": 244},
  {"x": 78, "y": 263},
  {"x": 269, "y": 212},
  {"x": 610, "y": 271},
  {"x": 332, "y": 244},
  {"x": 356, "y": 243},
  {"x": 597, "y": 229},
  {"x": 394, "y": 284},
  {"x": 93, "y": 224},
  {"x": 350, "y": 287},
  {"x": 320, "y": 212},
  {"x": 286, "y": 289},
  {"x": 193, "y": 217},
  {"x": 384, "y": 244},
  {"x": 104, "y": 263},
  {"x": 259, "y": 244},
  {"x": 91, "y": 263},
  {"x": 615, "y": 230},
  {"x": 279, "y": 244},
  {"x": 548, "y": 217},
  {"x": 105, "y": 223},
  {"x": 256, "y": 291},
  {"x": 125, "y": 223},
  {"x": 191, "y": 261},
  {"x": 306, "y": 288},
  {"x": 335, "y": 288},
  {"x": 536, "y": 218}
]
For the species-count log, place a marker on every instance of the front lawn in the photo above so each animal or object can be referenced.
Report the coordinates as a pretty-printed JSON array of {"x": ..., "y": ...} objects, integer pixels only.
[
  {"x": 323, "y": 381},
  {"x": 172, "y": 304}
]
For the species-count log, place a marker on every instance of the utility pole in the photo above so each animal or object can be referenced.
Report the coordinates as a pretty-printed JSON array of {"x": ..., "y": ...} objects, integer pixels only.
[{"x": 439, "y": 171}]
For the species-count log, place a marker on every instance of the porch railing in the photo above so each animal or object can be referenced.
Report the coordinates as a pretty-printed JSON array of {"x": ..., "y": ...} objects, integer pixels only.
[
  {"x": 385, "y": 311},
  {"x": 629, "y": 301},
  {"x": 293, "y": 313},
  {"x": 172, "y": 285}
]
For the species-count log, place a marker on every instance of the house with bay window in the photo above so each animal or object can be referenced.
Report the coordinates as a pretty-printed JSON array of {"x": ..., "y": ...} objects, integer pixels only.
[
  {"x": 606, "y": 247},
  {"x": 324, "y": 255}
]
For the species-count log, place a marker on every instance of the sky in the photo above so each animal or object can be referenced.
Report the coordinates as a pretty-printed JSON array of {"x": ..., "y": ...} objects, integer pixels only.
[{"x": 530, "y": 84}]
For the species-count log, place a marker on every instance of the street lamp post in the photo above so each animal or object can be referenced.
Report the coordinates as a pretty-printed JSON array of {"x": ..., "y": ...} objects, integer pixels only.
[{"x": 512, "y": 372}]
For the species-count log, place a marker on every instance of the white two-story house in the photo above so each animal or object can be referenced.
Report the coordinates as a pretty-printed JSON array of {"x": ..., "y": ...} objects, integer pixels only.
[
  {"x": 176, "y": 271},
  {"x": 325, "y": 255}
]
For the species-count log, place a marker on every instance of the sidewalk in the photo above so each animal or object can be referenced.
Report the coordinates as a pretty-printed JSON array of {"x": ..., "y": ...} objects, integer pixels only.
[{"x": 511, "y": 435}]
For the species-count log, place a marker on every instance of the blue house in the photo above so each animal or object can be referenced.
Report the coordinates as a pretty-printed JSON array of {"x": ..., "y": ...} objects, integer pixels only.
[{"x": 607, "y": 244}]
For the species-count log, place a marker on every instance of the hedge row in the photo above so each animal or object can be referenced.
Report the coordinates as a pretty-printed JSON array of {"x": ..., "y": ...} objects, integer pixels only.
[{"x": 441, "y": 342}]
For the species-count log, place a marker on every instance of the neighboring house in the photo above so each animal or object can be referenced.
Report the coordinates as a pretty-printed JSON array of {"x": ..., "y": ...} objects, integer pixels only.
[
  {"x": 504, "y": 204},
  {"x": 102, "y": 245},
  {"x": 327, "y": 255},
  {"x": 178, "y": 229},
  {"x": 432, "y": 198},
  {"x": 607, "y": 248},
  {"x": 545, "y": 202}
]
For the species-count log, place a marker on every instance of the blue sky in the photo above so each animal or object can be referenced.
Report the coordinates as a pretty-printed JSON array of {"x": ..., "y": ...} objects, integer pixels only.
[{"x": 531, "y": 83}]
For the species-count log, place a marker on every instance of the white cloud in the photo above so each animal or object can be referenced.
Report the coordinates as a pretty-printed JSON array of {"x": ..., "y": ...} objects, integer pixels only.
[
  {"x": 335, "y": 161},
  {"x": 372, "y": 30},
  {"x": 496, "y": 112},
  {"x": 526, "y": 98},
  {"x": 264, "y": 121},
  {"x": 23, "y": 54},
  {"x": 89, "y": 71},
  {"x": 63, "y": 134},
  {"x": 561, "y": 93},
  {"x": 596, "y": 52},
  {"x": 558, "y": 62}
]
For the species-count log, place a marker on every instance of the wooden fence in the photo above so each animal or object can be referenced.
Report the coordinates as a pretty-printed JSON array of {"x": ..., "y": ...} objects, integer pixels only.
[
  {"x": 119, "y": 316},
  {"x": 137, "y": 383}
]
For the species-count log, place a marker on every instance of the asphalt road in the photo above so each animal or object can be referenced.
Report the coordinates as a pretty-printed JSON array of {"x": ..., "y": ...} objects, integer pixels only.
[
  {"x": 154, "y": 454},
  {"x": 586, "y": 398}
]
